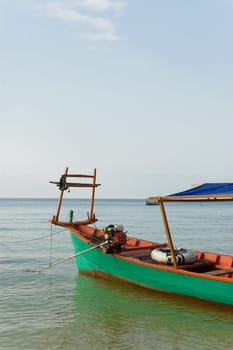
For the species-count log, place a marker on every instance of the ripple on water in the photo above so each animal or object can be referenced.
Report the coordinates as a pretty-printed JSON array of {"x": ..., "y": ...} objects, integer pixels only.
[{"x": 57, "y": 310}]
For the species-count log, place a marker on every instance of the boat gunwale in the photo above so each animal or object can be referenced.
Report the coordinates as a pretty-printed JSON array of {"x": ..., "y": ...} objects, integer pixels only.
[{"x": 180, "y": 270}]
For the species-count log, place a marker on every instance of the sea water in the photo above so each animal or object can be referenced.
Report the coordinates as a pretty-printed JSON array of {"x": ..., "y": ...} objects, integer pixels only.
[{"x": 58, "y": 309}]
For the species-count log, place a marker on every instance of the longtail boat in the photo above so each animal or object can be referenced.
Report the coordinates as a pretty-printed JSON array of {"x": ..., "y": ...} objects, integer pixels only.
[
  {"x": 149, "y": 201},
  {"x": 110, "y": 252}
]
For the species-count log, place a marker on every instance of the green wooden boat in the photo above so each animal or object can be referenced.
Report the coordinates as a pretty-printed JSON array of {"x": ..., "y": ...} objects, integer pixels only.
[{"x": 108, "y": 252}]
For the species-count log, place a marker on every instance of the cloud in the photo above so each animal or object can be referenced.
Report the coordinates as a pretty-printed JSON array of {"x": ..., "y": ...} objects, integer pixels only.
[
  {"x": 94, "y": 27},
  {"x": 102, "y": 5}
]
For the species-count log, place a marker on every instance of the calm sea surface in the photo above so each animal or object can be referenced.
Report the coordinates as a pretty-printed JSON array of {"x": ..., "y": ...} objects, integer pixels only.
[{"x": 58, "y": 309}]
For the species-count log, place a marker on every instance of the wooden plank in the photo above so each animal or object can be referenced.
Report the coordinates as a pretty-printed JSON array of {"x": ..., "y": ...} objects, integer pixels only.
[
  {"x": 168, "y": 234},
  {"x": 219, "y": 272},
  {"x": 197, "y": 264},
  {"x": 60, "y": 199}
]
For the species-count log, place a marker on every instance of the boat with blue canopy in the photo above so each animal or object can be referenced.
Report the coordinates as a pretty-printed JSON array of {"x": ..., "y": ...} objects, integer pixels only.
[{"x": 111, "y": 252}]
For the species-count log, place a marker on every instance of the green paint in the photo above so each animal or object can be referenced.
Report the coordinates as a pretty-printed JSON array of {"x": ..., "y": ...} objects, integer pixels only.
[{"x": 169, "y": 281}]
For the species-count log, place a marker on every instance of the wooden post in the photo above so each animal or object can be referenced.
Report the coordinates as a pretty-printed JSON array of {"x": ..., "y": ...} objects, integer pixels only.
[
  {"x": 167, "y": 230},
  {"x": 93, "y": 195},
  {"x": 60, "y": 199}
]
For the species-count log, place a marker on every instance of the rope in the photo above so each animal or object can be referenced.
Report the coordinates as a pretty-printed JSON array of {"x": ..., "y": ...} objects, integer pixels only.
[
  {"x": 50, "y": 246},
  {"x": 73, "y": 256},
  {"x": 32, "y": 239}
]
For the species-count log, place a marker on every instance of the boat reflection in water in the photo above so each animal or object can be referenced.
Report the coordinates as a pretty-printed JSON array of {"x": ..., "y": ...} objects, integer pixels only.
[{"x": 121, "y": 316}]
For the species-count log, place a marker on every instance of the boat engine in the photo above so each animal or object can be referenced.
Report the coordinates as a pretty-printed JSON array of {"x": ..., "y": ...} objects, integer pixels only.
[{"x": 115, "y": 236}]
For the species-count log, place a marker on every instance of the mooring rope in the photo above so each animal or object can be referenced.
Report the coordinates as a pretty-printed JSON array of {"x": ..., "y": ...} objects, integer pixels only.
[
  {"x": 32, "y": 239},
  {"x": 51, "y": 245},
  {"x": 73, "y": 256}
]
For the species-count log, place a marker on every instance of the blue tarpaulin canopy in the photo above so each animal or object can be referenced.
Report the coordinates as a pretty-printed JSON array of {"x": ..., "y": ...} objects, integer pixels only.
[{"x": 206, "y": 191}]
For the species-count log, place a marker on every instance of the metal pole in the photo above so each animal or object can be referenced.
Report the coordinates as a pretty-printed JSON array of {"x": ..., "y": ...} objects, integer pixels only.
[{"x": 73, "y": 256}]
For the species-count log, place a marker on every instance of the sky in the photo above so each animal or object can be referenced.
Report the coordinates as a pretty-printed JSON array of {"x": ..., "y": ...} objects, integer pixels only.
[{"x": 140, "y": 90}]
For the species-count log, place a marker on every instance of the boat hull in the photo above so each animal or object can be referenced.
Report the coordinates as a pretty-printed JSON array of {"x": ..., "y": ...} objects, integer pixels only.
[{"x": 148, "y": 276}]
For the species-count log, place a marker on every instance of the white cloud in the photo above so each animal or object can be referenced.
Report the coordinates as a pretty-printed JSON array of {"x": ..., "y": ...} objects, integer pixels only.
[
  {"x": 80, "y": 11},
  {"x": 102, "y": 5}
]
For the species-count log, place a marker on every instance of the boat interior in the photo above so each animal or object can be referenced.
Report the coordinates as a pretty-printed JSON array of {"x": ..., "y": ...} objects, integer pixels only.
[
  {"x": 139, "y": 250},
  {"x": 206, "y": 263}
]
